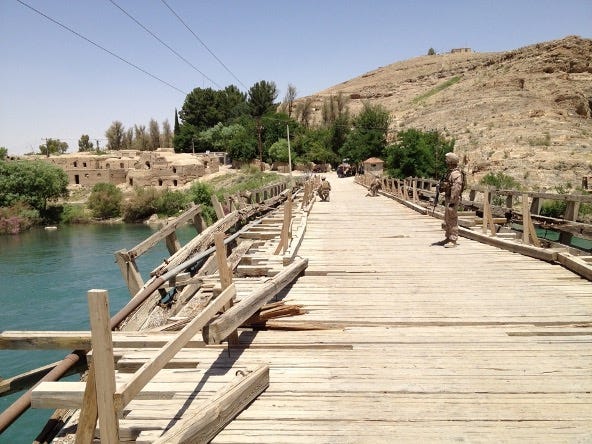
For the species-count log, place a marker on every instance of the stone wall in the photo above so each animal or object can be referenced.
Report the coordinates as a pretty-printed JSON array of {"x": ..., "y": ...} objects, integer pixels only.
[{"x": 162, "y": 167}]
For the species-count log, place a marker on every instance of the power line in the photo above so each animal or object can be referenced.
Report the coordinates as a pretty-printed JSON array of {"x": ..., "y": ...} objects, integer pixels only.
[
  {"x": 203, "y": 44},
  {"x": 100, "y": 47},
  {"x": 163, "y": 43}
]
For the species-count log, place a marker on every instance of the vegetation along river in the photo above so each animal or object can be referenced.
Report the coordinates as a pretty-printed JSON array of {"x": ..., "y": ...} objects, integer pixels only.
[{"x": 44, "y": 278}]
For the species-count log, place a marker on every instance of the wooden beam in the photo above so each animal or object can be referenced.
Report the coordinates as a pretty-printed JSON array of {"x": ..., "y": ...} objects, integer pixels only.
[
  {"x": 100, "y": 323},
  {"x": 204, "y": 423},
  {"x": 28, "y": 379},
  {"x": 225, "y": 273},
  {"x": 147, "y": 244},
  {"x": 217, "y": 207},
  {"x": 87, "y": 420},
  {"x": 129, "y": 271},
  {"x": 219, "y": 329},
  {"x": 126, "y": 393}
]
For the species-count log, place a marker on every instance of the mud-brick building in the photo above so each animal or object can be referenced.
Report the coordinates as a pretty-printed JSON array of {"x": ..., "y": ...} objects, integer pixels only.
[{"x": 162, "y": 167}]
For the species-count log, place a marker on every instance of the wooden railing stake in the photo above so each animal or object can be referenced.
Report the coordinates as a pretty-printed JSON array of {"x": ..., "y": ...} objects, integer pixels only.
[{"x": 100, "y": 319}]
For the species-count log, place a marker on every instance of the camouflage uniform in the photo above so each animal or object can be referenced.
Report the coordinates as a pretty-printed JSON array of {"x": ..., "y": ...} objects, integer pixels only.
[
  {"x": 453, "y": 190},
  {"x": 375, "y": 186}
]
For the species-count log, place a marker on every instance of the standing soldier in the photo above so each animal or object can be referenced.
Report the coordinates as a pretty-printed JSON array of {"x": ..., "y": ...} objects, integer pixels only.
[{"x": 452, "y": 187}]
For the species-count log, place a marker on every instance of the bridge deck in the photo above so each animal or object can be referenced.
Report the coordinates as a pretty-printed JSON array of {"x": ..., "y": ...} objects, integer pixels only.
[{"x": 422, "y": 343}]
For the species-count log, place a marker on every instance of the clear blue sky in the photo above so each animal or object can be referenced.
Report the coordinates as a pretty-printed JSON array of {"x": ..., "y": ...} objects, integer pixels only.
[{"x": 54, "y": 84}]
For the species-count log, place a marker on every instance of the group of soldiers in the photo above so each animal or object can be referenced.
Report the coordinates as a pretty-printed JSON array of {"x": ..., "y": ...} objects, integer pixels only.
[{"x": 451, "y": 185}]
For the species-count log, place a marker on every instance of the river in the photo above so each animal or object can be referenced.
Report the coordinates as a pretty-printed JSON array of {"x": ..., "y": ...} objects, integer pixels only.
[{"x": 44, "y": 279}]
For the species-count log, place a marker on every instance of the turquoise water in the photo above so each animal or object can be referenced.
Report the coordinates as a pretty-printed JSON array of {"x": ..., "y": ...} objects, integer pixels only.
[{"x": 44, "y": 278}]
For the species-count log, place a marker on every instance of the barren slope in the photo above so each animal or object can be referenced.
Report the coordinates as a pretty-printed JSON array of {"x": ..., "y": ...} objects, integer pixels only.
[{"x": 526, "y": 112}]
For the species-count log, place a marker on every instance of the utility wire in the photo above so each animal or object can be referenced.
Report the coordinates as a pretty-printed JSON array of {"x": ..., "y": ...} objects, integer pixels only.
[
  {"x": 163, "y": 43},
  {"x": 203, "y": 44},
  {"x": 101, "y": 47}
]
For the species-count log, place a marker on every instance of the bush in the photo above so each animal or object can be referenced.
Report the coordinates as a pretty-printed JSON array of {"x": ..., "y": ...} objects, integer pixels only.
[
  {"x": 500, "y": 181},
  {"x": 17, "y": 218},
  {"x": 74, "y": 214},
  {"x": 201, "y": 194},
  {"x": 105, "y": 201},
  {"x": 141, "y": 206},
  {"x": 169, "y": 203}
]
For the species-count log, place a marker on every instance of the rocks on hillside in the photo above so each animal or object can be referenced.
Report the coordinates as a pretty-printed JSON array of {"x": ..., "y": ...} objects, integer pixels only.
[{"x": 525, "y": 112}]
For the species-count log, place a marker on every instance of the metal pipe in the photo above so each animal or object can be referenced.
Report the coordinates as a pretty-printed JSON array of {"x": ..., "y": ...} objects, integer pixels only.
[
  {"x": 22, "y": 404},
  {"x": 18, "y": 407}
]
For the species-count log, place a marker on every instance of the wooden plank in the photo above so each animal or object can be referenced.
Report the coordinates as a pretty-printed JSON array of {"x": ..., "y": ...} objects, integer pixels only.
[
  {"x": 100, "y": 320},
  {"x": 154, "y": 239},
  {"x": 218, "y": 330},
  {"x": 126, "y": 393},
  {"x": 29, "y": 378},
  {"x": 203, "y": 424},
  {"x": 225, "y": 274},
  {"x": 87, "y": 420}
]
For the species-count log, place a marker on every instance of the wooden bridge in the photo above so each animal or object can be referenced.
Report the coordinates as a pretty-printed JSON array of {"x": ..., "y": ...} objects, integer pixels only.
[{"x": 400, "y": 341}]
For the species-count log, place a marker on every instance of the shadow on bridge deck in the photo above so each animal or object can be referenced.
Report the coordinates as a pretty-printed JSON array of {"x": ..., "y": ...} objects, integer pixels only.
[{"x": 420, "y": 343}]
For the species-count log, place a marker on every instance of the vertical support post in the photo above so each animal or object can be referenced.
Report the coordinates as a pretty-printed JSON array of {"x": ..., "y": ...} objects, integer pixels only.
[
  {"x": 172, "y": 243},
  {"x": 217, "y": 207},
  {"x": 572, "y": 210},
  {"x": 509, "y": 201},
  {"x": 225, "y": 275},
  {"x": 102, "y": 344},
  {"x": 528, "y": 231},
  {"x": 287, "y": 222},
  {"x": 487, "y": 217},
  {"x": 415, "y": 196},
  {"x": 129, "y": 271}
]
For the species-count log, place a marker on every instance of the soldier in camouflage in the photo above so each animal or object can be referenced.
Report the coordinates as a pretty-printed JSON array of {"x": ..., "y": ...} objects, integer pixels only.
[{"x": 452, "y": 187}]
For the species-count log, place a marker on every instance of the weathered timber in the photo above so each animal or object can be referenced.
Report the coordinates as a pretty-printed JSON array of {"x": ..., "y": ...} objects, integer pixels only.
[
  {"x": 203, "y": 424},
  {"x": 219, "y": 329},
  {"x": 125, "y": 394},
  {"x": 27, "y": 379}
]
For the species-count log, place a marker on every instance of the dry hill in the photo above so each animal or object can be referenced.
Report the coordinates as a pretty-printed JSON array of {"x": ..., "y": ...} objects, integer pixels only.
[{"x": 525, "y": 112}]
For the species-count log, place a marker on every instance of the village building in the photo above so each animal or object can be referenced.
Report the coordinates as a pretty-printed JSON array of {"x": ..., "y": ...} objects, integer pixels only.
[
  {"x": 160, "y": 168},
  {"x": 373, "y": 165}
]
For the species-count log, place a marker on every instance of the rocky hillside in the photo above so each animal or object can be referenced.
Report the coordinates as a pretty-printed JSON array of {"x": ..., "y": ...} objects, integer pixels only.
[{"x": 525, "y": 112}]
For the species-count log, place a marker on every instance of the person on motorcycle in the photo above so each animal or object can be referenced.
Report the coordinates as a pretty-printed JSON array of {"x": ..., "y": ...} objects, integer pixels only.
[{"x": 324, "y": 189}]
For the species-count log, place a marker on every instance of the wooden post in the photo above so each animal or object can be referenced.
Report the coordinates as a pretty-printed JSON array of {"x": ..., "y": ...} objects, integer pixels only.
[
  {"x": 100, "y": 319},
  {"x": 285, "y": 235},
  {"x": 217, "y": 207},
  {"x": 172, "y": 243},
  {"x": 87, "y": 420},
  {"x": 415, "y": 196},
  {"x": 528, "y": 231},
  {"x": 129, "y": 271},
  {"x": 572, "y": 210},
  {"x": 225, "y": 276},
  {"x": 487, "y": 217}
]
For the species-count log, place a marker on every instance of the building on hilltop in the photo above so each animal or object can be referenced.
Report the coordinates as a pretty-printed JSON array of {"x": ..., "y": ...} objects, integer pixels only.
[
  {"x": 160, "y": 168},
  {"x": 459, "y": 50}
]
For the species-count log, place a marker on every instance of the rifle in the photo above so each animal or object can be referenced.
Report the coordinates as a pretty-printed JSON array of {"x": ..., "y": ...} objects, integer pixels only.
[{"x": 437, "y": 196}]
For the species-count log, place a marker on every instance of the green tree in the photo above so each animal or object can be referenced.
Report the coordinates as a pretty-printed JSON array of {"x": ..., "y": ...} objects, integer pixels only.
[
  {"x": 431, "y": 51},
  {"x": 105, "y": 201},
  {"x": 289, "y": 98},
  {"x": 154, "y": 135},
  {"x": 261, "y": 100},
  {"x": 418, "y": 154},
  {"x": 32, "y": 182},
  {"x": 242, "y": 143},
  {"x": 141, "y": 139},
  {"x": 53, "y": 146},
  {"x": 177, "y": 127},
  {"x": 84, "y": 143},
  {"x": 114, "y": 135},
  {"x": 167, "y": 135},
  {"x": 368, "y": 137},
  {"x": 3, "y": 153},
  {"x": 278, "y": 152},
  {"x": 184, "y": 142}
]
